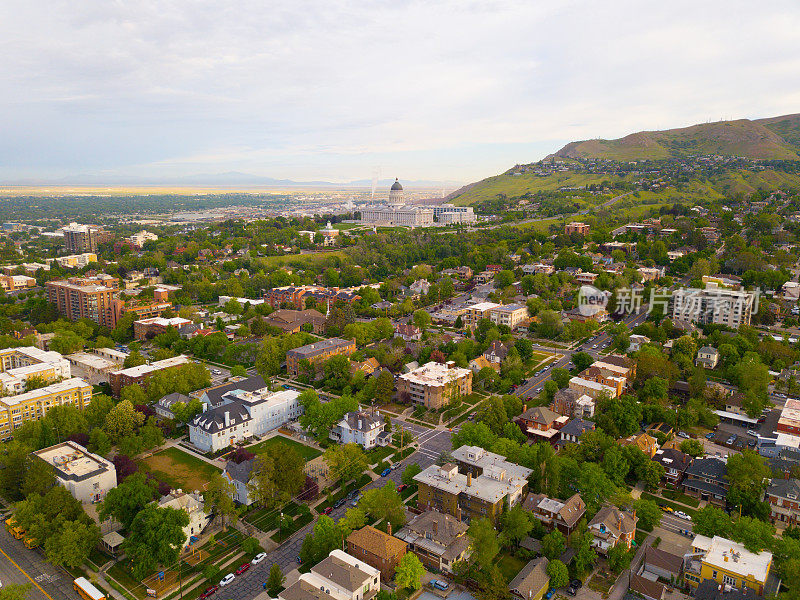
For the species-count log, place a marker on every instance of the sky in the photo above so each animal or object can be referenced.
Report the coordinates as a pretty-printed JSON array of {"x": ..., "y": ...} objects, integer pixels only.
[{"x": 340, "y": 90}]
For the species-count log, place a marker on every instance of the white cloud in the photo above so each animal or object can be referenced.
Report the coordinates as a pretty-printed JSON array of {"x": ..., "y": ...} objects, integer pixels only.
[{"x": 311, "y": 88}]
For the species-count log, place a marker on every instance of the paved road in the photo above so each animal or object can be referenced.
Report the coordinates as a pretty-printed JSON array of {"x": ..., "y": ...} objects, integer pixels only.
[
  {"x": 245, "y": 587},
  {"x": 670, "y": 522},
  {"x": 47, "y": 582}
]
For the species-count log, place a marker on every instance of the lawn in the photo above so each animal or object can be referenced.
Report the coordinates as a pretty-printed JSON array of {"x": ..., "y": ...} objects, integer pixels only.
[
  {"x": 680, "y": 497},
  {"x": 669, "y": 503},
  {"x": 377, "y": 455},
  {"x": 179, "y": 469},
  {"x": 297, "y": 524},
  {"x": 510, "y": 565},
  {"x": 307, "y": 452},
  {"x": 123, "y": 576}
]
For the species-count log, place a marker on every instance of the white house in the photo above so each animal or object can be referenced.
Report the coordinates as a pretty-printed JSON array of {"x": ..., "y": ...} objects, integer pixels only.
[
  {"x": 88, "y": 477},
  {"x": 707, "y": 357},
  {"x": 194, "y": 506},
  {"x": 239, "y": 475},
  {"x": 359, "y": 428},
  {"x": 338, "y": 577}
]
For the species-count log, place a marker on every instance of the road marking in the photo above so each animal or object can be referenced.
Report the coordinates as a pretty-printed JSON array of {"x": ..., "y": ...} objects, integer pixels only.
[{"x": 26, "y": 574}]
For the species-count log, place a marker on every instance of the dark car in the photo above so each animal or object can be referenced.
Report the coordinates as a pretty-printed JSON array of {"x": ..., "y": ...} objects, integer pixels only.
[
  {"x": 209, "y": 592},
  {"x": 385, "y": 472},
  {"x": 338, "y": 503},
  {"x": 243, "y": 568},
  {"x": 576, "y": 583}
]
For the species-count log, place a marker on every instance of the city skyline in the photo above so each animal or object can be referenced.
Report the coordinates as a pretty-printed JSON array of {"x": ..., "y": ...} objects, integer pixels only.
[{"x": 331, "y": 91}]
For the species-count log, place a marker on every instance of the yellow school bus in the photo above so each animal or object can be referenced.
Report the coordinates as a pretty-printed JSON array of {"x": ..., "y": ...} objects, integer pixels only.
[
  {"x": 14, "y": 529},
  {"x": 86, "y": 590}
]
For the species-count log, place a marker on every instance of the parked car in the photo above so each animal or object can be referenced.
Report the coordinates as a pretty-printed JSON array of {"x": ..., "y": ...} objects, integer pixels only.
[
  {"x": 258, "y": 558},
  {"x": 243, "y": 568},
  {"x": 709, "y": 435},
  {"x": 439, "y": 584},
  {"x": 753, "y": 433},
  {"x": 396, "y": 466},
  {"x": 209, "y": 592},
  {"x": 666, "y": 508},
  {"x": 684, "y": 435},
  {"x": 385, "y": 472},
  {"x": 682, "y": 515},
  {"x": 327, "y": 511},
  {"x": 549, "y": 594},
  {"x": 339, "y": 503},
  {"x": 354, "y": 501},
  {"x": 576, "y": 583},
  {"x": 401, "y": 487},
  {"x": 227, "y": 579}
]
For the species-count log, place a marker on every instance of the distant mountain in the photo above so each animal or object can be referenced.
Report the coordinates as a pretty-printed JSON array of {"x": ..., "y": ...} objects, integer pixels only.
[
  {"x": 773, "y": 138},
  {"x": 227, "y": 179}
]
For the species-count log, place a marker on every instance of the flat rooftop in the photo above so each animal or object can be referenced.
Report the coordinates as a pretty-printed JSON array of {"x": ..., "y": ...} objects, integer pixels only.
[
  {"x": 435, "y": 374},
  {"x": 67, "y": 385},
  {"x": 73, "y": 461},
  {"x": 152, "y": 367}
]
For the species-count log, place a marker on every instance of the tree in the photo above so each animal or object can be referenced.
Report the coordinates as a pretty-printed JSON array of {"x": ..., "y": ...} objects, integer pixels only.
[
  {"x": 493, "y": 414},
  {"x": 561, "y": 377},
  {"x": 275, "y": 580},
  {"x": 619, "y": 558},
  {"x": 692, "y": 447},
  {"x": 559, "y": 576},
  {"x": 484, "y": 543},
  {"x": 14, "y": 460},
  {"x": 134, "y": 359},
  {"x": 346, "y": 461},
  {"x": 15, "y": 591},
  {"x": 411, "y": 471},
  {"x": 123, "y": 420},
  {"x": 71, "y": 546},
  {"x": 155, "y": 537},
  {"x": 353, "y": 519},
  {"x": 126, "y": 500},
  {"x": 261, "y": 487},
  {"x": 585, "y": 556},
  {"x": 238, "y": 371},
  {"x": 219, "y": 496},
  {"x": 648, "y": 513},
  {"x": 288, "y": 470},
  {"x": 384, "y": 387},
  {"x": 422, "y": 319},
  {"x": 651, "y": 473},
  {"x": 97, "y": 410},
  {"x": 250, "y": 546},
  {"x": 409, "y": 572},
  {"x": 553, "y": 544},
  {"x": 39, "y": 478},
  {"x": 756, "y": 535},
  {"x": 384, "y": 503},
  {"x": 582, "y": 361},
  {"x": 212, "y": 573},
  {"x": 515, "y": 526},
  {"x": 710, "y": 521}
]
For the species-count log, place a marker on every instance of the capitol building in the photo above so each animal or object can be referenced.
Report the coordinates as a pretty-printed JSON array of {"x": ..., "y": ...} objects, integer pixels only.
[{"x": 398, "y": 213}]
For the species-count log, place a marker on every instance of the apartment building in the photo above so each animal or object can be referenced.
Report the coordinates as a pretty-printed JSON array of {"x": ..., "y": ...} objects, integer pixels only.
[
  {"x": 95, "y": 367},
  {"x": 380, "y": 550},
  {"x": 478, "y": 311},
  {"x": 75, "y": 261},
  {"x": 591, "y": 388},
  {"x": 340, "y": 576},
  {"x": 33, "y": 405},
  {"x": 292, "y": 321},
  {"x": 435, "y": 384},
  {"x": 479, "y": 484},
  {"x": 242, "y": 414},
  {"x": 576, "y": 227},
  {"x": 80, "y": 238},
  {"x": 139, "y": 375},
  {"x": 789, "y": 421},
  {"x": 13, "y": 283},
  {"x": 707, "y": 479},
  {"x": 138, "y": 240},
  {"x": 572, "y": 403},
  {"x": 83, "y": 298},
  {"x": 17, "y": 365},
  {"x": 511, "y": 315},
  {"x": 783, "y": 497},
  {"x": 727, "y": 563},
  {"x": 554, "y": 513},
  {"x": 86, "y": 476},
  {"x": 438, "y": 540},
  {"x": 714, "y": 304},
  {"x": 144, "y": 309},
  {"x": 318, "y": 352}
]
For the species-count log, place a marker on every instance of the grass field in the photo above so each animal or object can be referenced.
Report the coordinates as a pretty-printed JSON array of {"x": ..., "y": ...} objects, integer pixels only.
[
  {"x": 510, "y": 565},
  {"x": 307, "y": 452},
  {"x": 179, "y": 469},
  {"x": 274, "y": 262}
]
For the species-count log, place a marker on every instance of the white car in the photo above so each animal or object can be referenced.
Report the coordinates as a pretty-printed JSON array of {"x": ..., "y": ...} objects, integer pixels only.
[
  {"x": 258, "y": 558},
  {"x": 227, "y": 579},
  {"x": 753, "y": 433},
  {"x": 682, "y": 515}
]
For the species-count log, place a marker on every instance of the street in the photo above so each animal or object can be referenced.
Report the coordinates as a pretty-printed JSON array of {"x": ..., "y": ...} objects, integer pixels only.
[{"x": 22, "y": 566}]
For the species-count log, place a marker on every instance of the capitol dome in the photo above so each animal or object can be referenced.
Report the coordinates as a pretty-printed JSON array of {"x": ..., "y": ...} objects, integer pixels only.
[
  {"x": 396, "y": 194},
  {"x": 396, "y": 185}
]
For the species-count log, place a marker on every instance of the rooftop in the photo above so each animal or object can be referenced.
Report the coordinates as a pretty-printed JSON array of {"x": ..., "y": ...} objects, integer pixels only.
[
  {"x": 135, "y": 372},
  {"x": 72, "y": 461},
  {"x": 320, "y": 347},
  {"x": 435, "y": 374},
  {"x": 733, "y": 556}
]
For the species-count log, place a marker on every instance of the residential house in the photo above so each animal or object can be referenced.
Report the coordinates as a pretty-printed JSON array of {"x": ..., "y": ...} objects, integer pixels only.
[
  {"x": 706, "y": 479},
  {"x": 340, "y": 576},
  {"x": 675, "y": 464},
  {"x": 497, "y": 352},
  {"x": 572, "y": 403},
  {"x": 408, "y": 332},
  {"x": 193, "y": 505},
  {"x": 438, "y": 539},
  {"x": 540, "y": 423},
  {"x": 358, "y": 428},
  {"x": 163, "y": 406},
  {"x": 636, "y": 341},
  {"x": 646, "y": 443},
  {"x": 420, "y": 287},
  {"x": 380, "y": 550},
  {"x": 645, "y": 588},
  {"x": 571, "y": 432},
  {"x": 532, "y": 582},
  {"x": 481, "y": 362},
  {"x": 726, "y": 563},
  {"x": 591, "y": 388},
  {"x": 556, "y": 514},
  {"x": 369, "y": 367},
  {"x": 611, "y": 526},
  {"x": 783, "y": 497},
  {"x": 661, "y": 564},
  {"x": 707, "y": 357},
  {"x": 239, "y": 474}
]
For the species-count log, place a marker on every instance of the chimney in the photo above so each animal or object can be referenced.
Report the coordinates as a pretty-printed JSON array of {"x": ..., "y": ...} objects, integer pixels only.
[
  {"x": 435, "y": 527},
  {"x": 389, "y": 528},
  {"x": 469, "y": 478},
  {"x": 360, "y": 424},
  {"x": 524, "y": 407},
  {"x": 227, "y": 418}
]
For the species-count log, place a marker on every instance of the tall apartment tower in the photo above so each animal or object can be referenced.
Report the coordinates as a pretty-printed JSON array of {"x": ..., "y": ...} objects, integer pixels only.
[
  {"x": 80, "y": 238},
  {"x": 78, "y": 298}
]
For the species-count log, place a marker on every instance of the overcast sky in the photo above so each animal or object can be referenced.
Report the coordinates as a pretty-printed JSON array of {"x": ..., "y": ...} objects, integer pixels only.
[{"x": 332, "y": 90}]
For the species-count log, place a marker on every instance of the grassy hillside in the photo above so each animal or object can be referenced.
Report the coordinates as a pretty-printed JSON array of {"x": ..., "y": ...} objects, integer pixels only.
[{"x": 773, "y": 138}]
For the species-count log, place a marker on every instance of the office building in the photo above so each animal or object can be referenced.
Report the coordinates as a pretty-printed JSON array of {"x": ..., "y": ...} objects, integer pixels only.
[
  {"x": 318, "y": 352},
  {"x": 435, "y": 384},
  {"x": 449, "y": 214},
  {"x": 88, "y": 477}
]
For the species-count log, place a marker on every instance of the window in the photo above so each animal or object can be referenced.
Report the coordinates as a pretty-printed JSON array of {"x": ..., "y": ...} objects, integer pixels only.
[{"x": 727, "y": 579}]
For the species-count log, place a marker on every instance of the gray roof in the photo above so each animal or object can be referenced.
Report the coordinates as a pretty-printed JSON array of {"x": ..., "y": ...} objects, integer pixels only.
[
  {"x": 709, "y": 590},
  {"x": 240, "y": 471},
  {"x": 396, "y": 185},
  {"x": 251, "y": 384},
  {"x": 673, "y": 459},
  {"x": 708, "y": 468},
  {"x": 320, "y": 347},
  {"x": 783, "y": 487},
  {"x": 366, "y": 421},
  {"x": 213, "y": 420},
  {"x": 576, "y": 427},
  {"x": 531, "y": 579},
  {"x": 167, "y": 401},
  {"x": 708, "y": 350},
  {"x": 339, "y": 572}
]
